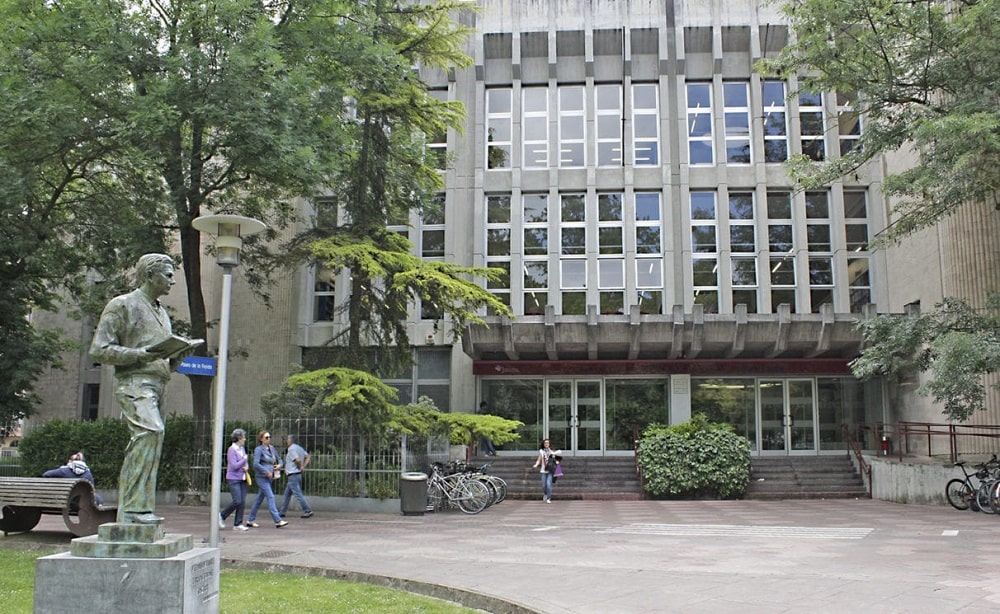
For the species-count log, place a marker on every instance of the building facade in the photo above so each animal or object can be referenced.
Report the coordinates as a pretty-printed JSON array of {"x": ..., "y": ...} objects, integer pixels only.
[{"x": 623, "y": 163}]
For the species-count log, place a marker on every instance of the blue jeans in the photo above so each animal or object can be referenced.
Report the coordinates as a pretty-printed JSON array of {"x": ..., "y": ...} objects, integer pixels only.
[
  {"x": 265, "y": 492},
  {"x": 294, "y": 487},
  {"x": 547, "y": 485},
  {"x": 238, "y": 490}
]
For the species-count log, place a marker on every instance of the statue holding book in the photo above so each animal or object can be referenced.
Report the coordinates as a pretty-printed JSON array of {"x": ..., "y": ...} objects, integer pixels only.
[{"x": 135, "y": 336}]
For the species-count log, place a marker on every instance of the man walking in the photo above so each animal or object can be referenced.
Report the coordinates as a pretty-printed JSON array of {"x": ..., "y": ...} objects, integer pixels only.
[{"x": 296, "y": 461}]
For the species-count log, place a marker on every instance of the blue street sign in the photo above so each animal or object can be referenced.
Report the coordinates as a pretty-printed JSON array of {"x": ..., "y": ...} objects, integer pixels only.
[{"x": 197, "y": 365}]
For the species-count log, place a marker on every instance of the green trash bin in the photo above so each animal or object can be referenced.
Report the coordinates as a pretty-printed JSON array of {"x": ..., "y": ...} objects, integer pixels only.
[{"x": 413, "y": 493}]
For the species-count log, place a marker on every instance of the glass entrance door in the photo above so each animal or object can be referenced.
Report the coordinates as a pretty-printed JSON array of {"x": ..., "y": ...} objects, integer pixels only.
[
  {"x": 574, "y": 415},
  {"x": 787, "y": 417}
]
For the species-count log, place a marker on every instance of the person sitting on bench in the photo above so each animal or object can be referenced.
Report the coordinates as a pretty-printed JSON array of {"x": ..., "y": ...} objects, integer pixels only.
[{"x": 75, "y": 467}]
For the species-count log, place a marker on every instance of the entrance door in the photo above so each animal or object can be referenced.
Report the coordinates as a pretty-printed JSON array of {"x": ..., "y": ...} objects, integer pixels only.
[
  {"x": 575, "y": 419},
  {"x": 787, "y": 417}
]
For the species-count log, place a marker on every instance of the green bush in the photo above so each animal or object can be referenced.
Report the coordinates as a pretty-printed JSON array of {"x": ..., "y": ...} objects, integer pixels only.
[
  {"x": 103, "y": 443},
  {"x": 694, "y": 460}
]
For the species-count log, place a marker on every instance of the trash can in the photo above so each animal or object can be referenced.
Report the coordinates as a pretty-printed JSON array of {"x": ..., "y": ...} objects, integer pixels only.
[{"x": 413, "y": 493}]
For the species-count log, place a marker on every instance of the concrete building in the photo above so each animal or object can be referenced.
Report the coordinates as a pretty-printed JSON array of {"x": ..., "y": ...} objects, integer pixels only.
[{"x": 623, "y": 162}]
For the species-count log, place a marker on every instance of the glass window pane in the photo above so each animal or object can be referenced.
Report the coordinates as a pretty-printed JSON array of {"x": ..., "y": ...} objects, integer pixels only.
[
  {"x": 699, "y": 124},
  {"x": 574, "y": 241},
  {"x": 571, "y": 128},
  {"x": 647, "y": 240},
  {"x": 649, "y": 301},
  {"x": 571, "y": 98},
  {"x": 534, "y": 127},
  {"x": 536, "y": 274},
  {"x": 573, "y": 208},
  {"x": 504, "y": 281},
  {"x": 574, "y": 303},
  {"x": 609, "y": 127},
  {"x": 817, "y": 205},
  {"x": 773, "y": 93},
  {"x": 645, "y": 126},
  {"x": 608, "y": 96},
  {"x": 775, "y": 151},
  {"x": 699, "y": 95},
  {"x": 703, "y": 239},
  {"x": 536, "y": 241},
  {"x": 700, "y": 152},
  {"x": 611, "y": 273},
  {"x": 702, "y": 205},
  {"x": 812, "y": 124},
  {"x": 744, "y": 272},
  {"x": 705, "y": 272},
  {"x": 741, "y": 206},
  {"x": 433, "y": 364},
  {"x": 535, "y": 208},
  {"x": 735, "y": 94},
  {"x": 782, "y": 272},
  {"x": 855, "y": 205},
  {"x": 818, "y": 236},
  {"x": 610, "y": 241},
  {"x": 499, "y": 101},
  {"x": 708, "y": 299},
  {"x": 535, "y": 302},
  {"x": 498, "y": 242},
  {"x": 774, "y": 125},
  {"x": 820, "y": 272},
  {"x": 609, "y": 207},
  {"x": 741, "y": 239},
  {"x": 612, "y": 303},
  {"x": 857, "y": 237},
  {"x": 779, "y": 237},
  {"x": 647, "y": 207},
  {"x": 644, "y": 96},
  {"x": 535, "y": 99},
  {"x": 574, "y": 273},
  {"x": 738, "y": 152},
  {"x": 571, "y": 154},
  {"x": 649, "y": 273},
  {"x": 432, "y": 244},
  {"x": 499, "y": 129},
  {"x": 779, "y": 206}
]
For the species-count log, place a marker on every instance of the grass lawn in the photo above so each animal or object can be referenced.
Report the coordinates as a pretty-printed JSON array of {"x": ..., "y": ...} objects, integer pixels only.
[{"x": 246, "y": 592}]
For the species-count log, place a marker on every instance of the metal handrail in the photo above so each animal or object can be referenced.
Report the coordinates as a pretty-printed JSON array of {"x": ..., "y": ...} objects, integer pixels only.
[
  {"x": 933, "y": 432},
  {"x": 855, "y": 448}
]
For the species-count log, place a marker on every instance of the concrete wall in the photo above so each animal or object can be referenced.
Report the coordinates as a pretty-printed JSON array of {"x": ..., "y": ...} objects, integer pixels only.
[{"x": 910, "y": 481}]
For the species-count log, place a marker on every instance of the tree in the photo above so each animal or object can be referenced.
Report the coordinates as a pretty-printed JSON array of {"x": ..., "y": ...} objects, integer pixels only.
[
  {"x": 387, "y": 174},
  {"x": 173, "y": 107},
  {"x": 922, "y": 74},
  {"x": 955, "y": 342}
]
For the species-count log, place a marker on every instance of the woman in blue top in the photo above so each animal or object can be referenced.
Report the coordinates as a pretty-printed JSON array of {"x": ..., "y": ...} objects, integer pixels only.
[{"x": 266, "y": 463}]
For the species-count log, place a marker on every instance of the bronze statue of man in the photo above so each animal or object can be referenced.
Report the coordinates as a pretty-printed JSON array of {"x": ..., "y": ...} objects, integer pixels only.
[{"x": 135, "y": 336}]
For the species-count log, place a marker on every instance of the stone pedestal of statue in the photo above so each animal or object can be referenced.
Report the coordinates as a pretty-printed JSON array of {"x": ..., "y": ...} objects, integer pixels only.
[{"x": 129, "y": 568}]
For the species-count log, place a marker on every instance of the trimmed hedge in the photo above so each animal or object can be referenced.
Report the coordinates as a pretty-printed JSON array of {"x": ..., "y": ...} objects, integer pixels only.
[
  {"x": 697, "y": 459},
  {"x": 103, "y": 443}
]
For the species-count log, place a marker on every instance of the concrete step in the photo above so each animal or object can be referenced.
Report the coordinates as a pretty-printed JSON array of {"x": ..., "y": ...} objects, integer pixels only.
[
  {"x": 590, "y": 478},
  {"x": 805, "y": 477}
]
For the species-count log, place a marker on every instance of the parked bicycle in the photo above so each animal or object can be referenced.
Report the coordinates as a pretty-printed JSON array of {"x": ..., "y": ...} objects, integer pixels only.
[
  {"x": 456, "y": 490},
  {"x": 973, "y": 491}
]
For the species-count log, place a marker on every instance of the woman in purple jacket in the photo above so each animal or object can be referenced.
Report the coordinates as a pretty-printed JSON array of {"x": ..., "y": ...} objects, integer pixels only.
[{"x": 236, "y": 472}]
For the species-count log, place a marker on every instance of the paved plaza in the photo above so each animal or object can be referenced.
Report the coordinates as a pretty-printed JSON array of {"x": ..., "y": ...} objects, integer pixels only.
[{"x": 643, "y": 556}]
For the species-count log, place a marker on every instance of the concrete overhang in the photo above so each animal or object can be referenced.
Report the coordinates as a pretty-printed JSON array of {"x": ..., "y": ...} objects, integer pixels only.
[{"x": 677, "y": 335}]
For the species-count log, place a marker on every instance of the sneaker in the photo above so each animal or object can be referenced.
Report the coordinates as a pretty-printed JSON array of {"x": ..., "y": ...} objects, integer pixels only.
[
  {"x": 241, "y": 527},
  {"x": 307, "y": 515},
  {"x": 548, "y": 500},
  {"x": 222, "y": 522},
  {"x": 283, "y": 523},
  {"x": 250, "y": 524}
]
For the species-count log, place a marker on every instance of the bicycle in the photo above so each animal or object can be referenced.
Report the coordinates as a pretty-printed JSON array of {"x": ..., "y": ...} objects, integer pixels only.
[
  {"x": 455, "y": 490},
  {"x": 962, "y": 493}
]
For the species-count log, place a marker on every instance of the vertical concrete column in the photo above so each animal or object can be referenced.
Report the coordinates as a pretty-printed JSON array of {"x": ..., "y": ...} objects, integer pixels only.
[{"x": 680, "y": 398}]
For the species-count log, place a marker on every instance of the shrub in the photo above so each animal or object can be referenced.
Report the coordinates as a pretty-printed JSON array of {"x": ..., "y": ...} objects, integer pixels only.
[{"x": 694, "y": 459}]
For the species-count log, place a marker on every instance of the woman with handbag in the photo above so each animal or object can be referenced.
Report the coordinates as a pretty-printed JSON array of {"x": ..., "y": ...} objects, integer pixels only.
[
  {"x": 238, "y": 477},
  {"x": 266, "y": 467},
  {"x": 548, "y": 461}
]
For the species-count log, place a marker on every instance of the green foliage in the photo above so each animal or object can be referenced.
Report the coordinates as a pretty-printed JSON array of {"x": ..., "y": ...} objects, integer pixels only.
[
  {"x": 103, "y": 443},
  {"x": 955, "y": 342},
  {"x": 349, "y": 394},
  {"x": 923, "y": 74},
  {"x": 694, "y": 459}
]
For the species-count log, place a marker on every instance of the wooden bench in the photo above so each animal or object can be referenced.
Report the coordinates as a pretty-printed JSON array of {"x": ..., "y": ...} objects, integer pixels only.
[{"x": 24, "y": 500}]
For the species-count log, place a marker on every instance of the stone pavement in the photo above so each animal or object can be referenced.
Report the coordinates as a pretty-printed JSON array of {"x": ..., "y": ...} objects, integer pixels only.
[{"x": 644, "y": 556}]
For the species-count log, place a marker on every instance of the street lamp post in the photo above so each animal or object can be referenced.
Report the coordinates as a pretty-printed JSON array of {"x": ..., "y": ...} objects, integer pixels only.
[{"x": 229, "y": 231}]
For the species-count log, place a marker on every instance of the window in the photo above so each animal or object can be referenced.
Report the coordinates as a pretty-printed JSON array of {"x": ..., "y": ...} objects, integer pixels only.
[
  {"x": 648, "y": 253},
  {"x": 645, "y": 124},
  {"x": 611, "y": 285},
  {"x": 536, "y": 284},
  {"x": 91, "y": 401},
  {"x": 858, "y": 283},
  {"x": 775, "y": 121},
  {"x": 324, "y": 294},
  {"x": 736, "y": 112},
  {"x": 437, "y": 143},
  {"x": 432, "y": 247},
  {"x": 535, "y": 126},
  {"x": 608, "y": 124},
  {"x": 535, "y": 216},
  {"x": 498, "y": 128},
  {"x": 610, "y": 225},
  {"x": 704, "y": 251},
  {"x": 812, "y": 125},
  {"x": 856, "y": 220},
  {"x": 848, "y": 122},
  {"x": 743, "y": 247},
  {"x": 780, "y": 245},
  {"x": 572, "y": 127},
  {"x": 699, "y": 123},
  {"x": 498, "y": 253},
  {"x": 573, "y": 264},
  {"x": 819, "y": 242}
]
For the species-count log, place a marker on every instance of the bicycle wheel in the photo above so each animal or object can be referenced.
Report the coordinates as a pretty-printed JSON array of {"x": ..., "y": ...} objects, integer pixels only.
[
  {"x": 983, "y": 497},
  {"x": 435, "y": 498},
  {"x": 995, "y": 497},
  {"x": 958, "y": 493},
  {"x": 500, "y": 486},
  {"x": 472, "y": 496}
]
